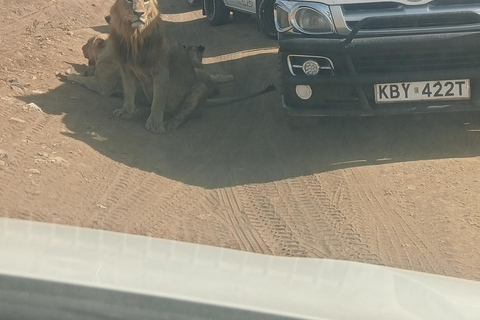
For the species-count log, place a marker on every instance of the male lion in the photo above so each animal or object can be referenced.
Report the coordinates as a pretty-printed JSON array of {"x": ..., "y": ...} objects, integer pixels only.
[
  {"x": 145, "y": 52},
  {"x": 147, "y": 58}
]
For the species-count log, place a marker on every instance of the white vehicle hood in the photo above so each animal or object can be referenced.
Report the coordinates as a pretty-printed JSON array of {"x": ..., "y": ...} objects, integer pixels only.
[{"x": 300, "y": 287}]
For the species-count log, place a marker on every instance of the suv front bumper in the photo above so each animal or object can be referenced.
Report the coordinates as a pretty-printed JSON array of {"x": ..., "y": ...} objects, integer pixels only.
[{"x": 364, "y": 62}]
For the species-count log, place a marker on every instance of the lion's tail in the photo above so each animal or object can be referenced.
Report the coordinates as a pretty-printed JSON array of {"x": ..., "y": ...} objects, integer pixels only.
[{"x": 222, "y": 101}]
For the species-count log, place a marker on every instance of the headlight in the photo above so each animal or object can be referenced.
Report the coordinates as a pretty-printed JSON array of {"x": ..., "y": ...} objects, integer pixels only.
[
  {"x": 281, "y": 19},
  {"x": 308, "y": 17},
  {"x": 312, "y": 21}
]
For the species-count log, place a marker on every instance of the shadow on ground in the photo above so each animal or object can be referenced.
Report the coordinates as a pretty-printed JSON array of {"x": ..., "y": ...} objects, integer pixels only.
[{"x": 250, "y": 142}]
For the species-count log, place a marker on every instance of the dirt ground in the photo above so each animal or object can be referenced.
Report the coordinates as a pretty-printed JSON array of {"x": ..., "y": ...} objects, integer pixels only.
[{"x": 395, "y": 191}]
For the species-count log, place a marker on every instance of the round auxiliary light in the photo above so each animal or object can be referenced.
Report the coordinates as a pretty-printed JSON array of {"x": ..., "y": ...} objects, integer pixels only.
[
  {"x": 311, "y": 68},
  {"x": 303, "y": 91}
]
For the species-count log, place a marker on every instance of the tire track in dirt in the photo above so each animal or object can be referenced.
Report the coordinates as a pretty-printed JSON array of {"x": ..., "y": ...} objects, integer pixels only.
[
  {"x": 294, "y": 217},
  {"x": 266, "y": 218},
  {"x": 174, "y": 214},
  {"x": 11, "y": 127},
  {"x": 386, "y": 235},
  {"x": 158, "y": 211},
  {"x": 122, "y": 192},
  {"x": 233, "y": 215},
  {"x": 34, "y": 124},
  {"x": 153, "y": 204},
  {"x": 280, "y": 220},
  {"x": 333, "y": 230},
  {"x": 397, "y": 242},
  {"x": 223, "y": 231},
  {"x": 9, "y": 170},
  {"x": 6, "y": 176}
]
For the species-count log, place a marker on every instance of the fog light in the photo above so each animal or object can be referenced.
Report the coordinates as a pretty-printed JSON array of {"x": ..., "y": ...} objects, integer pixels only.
[
  {"x": 311, "y": 68},
  {"x": 303, "y": 92}
]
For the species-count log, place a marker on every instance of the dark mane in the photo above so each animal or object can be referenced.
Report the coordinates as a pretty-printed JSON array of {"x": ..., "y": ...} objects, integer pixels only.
[{"x": 134, "y": 47}]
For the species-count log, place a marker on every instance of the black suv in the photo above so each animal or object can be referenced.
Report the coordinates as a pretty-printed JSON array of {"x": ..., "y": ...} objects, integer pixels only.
[{"x": 371, "y": 57}]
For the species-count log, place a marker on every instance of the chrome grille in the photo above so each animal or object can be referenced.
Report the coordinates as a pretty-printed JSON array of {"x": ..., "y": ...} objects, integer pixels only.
[
  {"x": 372, "y": 6},
  {"x": 435, "y": 16},
  {"x": 433, "y": 20}
]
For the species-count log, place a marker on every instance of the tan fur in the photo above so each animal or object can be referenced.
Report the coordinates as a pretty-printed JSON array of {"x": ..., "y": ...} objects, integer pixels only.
[
  {"x": 106, "y": 78},
  {"x": 195, "y": 54},
  {"x": 103, "y": 74},
  {"x": 145, "y": 54},
  {"x": 93, "y": 48}
]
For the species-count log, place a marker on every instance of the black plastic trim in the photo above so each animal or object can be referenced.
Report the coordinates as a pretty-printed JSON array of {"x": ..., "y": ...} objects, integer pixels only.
[{"x": 29, "y": 299}]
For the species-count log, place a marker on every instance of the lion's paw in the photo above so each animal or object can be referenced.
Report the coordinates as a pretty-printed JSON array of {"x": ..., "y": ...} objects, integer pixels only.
[
  {"x": 171, "y": 125},
  {"x": 155, "y": 126},
  {"x": 122, "y": 113}
]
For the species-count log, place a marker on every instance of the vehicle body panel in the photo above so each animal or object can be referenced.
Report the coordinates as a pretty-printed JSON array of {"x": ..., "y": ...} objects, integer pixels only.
[
  {"x": 301, "y": 288},
  {"x": 373, "y": 45},
  {"x": 242, "y": 5},
  {"x": 340, "y": 2}
]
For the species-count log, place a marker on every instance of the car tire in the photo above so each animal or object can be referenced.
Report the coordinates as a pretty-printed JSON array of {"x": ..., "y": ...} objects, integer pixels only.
[
  {"x": 193, "y": 3},
  {"x": 265, "y": 18},
  {"x": 216, "y": 11}
]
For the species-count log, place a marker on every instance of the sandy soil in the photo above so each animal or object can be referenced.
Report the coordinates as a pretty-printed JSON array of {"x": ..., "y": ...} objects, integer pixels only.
[{"x": 395, "y": 191}]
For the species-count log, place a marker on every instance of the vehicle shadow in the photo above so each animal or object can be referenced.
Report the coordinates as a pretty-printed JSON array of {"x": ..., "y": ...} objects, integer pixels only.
[{"x": 250, "y": 142}]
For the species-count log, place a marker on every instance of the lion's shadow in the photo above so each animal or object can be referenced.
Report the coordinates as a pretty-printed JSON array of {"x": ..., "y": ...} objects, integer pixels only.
[{"x": 249, "y": 142}]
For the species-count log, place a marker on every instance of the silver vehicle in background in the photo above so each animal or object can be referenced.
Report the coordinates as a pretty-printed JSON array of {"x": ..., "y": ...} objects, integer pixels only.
[{"x": 218, "y": 12}]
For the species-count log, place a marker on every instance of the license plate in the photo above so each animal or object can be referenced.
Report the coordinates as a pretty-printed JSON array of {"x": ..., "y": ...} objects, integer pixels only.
[{"x": 423, "y": 90}]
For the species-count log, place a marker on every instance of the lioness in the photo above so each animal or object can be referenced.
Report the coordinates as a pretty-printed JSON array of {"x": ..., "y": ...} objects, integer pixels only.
[
  {"x": 103, "y": 73},
  {"x": 145, "y": 52}
]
